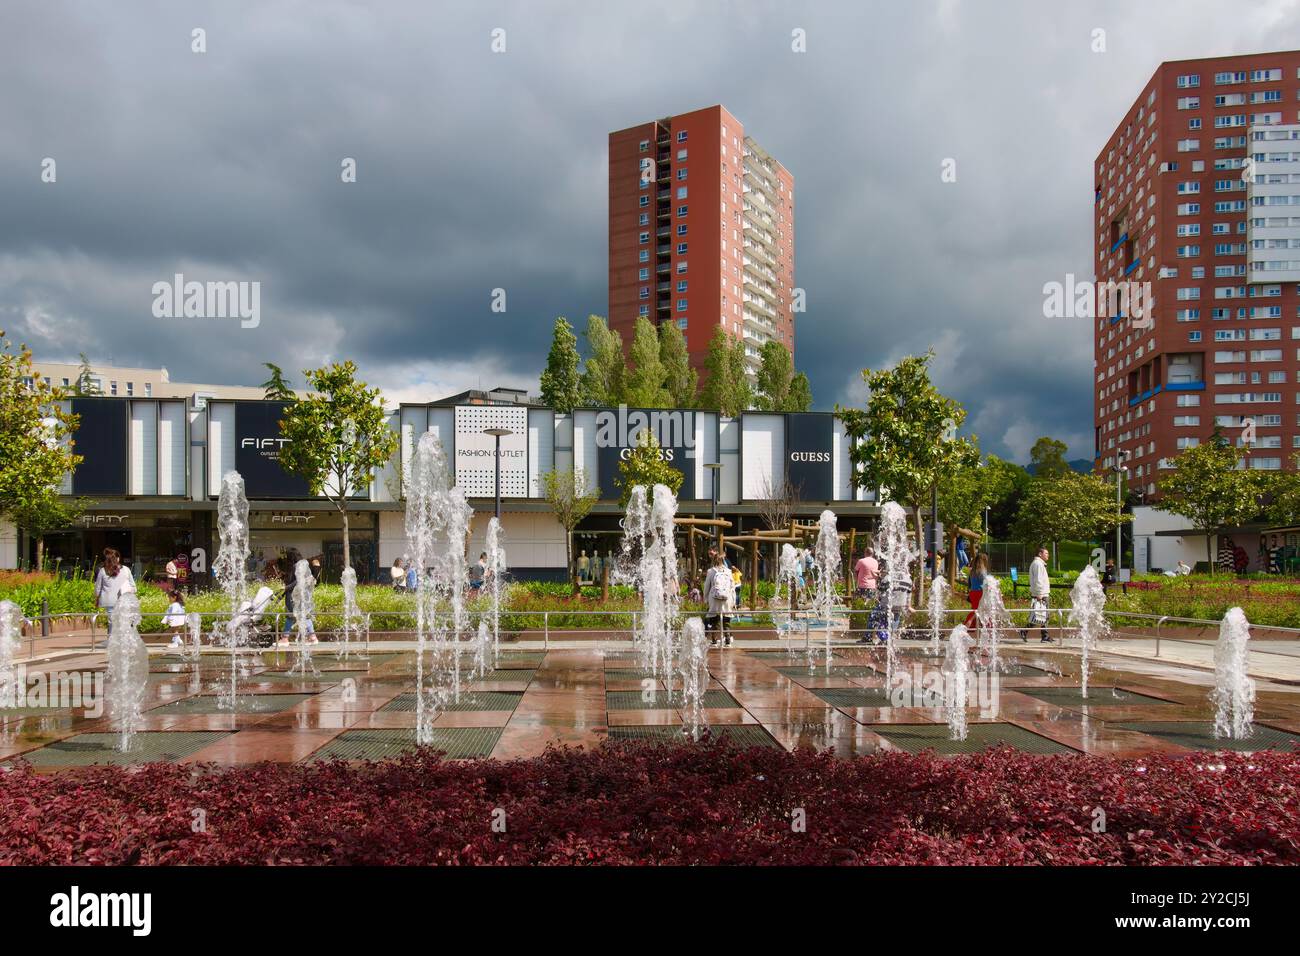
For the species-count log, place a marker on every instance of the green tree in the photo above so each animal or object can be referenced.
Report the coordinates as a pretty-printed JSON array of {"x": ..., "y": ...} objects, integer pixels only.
[
  {"x": 726, "y": 387},
  {"x": 644, "y": 465},
  {"x": 681, "y": 381},
  {"x": 1071, "y": 507},
  {"x": 277, "y": 387},
  {"x": 561, "y": 381},
  {"x": 965, "y": 493},
  {"x": 775, "y": 374},
  {"x": 85, "y": 378},
  {"x": 337, "y": 436},
  {"x": 605, "y": 371},
  {"x": 903, "y": 443},
  {"x": 1003, "y": 511},
  {"x": 1207, "y": 488},
  {"x": 645, "y": 380},
  {"x": 1047, "y": 458},
  {"x": 1283, "y": 488},
  {"x": 801, "y": 398},
  {"x": 566, "y": 492},
  {"x": 36, "y": 446}
]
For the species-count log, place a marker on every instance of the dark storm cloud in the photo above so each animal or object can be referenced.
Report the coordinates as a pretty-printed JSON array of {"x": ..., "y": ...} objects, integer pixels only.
[{"x": 479, "y": 171}]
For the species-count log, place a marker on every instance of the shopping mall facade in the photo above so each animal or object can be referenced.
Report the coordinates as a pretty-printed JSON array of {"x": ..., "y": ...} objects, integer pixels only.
[{"x": 152, "y": 474}]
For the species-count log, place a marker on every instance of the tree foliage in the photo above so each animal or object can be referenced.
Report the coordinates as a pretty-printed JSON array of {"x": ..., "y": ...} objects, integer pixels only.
[
  {"x": 680, "y": 380},
  {"x": 1283, "y": 488},
  {"x": 904, "y": 442},
  {"x": 801, "y": 397},
  {"x": 1047, "y": 458},
  {"x": 726, "y": 386},
  {"x": 337, "y": 436},
  {"x": 277, "y": 387},
  {"x": 36, "y": 446},
  {"x": 645, "y": 377},
  {"x": 775, "y": 374},
  {"x": 571, "y": 501},
  {"x": 605, "y": 370},
  {"x": 561, "y": 380},
  {"x": 1207, "y": 488},
  {"x": 645, "y": 465},
  {"x": 1071, "y": 506}
]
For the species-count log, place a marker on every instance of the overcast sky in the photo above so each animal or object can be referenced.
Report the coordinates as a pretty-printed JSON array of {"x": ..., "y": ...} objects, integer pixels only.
[{"x": 479, "y": 170}]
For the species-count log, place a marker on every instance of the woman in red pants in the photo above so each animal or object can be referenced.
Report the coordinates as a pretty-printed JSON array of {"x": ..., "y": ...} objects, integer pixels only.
[{"x": 978, "y": 569}]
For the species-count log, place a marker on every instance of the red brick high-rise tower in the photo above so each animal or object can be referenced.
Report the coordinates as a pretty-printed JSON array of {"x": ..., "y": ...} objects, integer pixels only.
[
  {"x": 701, "y": 232},
  {"x": 1198, "y": 193}
]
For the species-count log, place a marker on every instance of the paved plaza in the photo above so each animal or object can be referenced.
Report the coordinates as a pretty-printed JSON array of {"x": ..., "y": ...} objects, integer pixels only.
[{"x": 355, "y": 708}]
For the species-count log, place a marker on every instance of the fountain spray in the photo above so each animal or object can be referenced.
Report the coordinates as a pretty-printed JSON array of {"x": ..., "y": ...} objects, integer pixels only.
[
  {"x": 304, "y": 613},
  {"x": 895, "y": 547},
  {"x": 938, "y": 604},
  {"x": 826, "y": 553},
  {"x": 1087, "y": 615},
  {"x": 128, "y": 669},
  {"x": 956, "y": 668},
  {"x": 494, "y": 581},
  {"x": 11, "y": 624},
  {"x": 993, "y": 620},
  {"x": 694, "y": 669},
  {"x": 1234, "y": 692},
  {"x": 230, "y": 571}
]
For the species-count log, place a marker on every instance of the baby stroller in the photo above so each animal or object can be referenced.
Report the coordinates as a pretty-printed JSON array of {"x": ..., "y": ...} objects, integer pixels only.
[{"x": 251, "y": 618}]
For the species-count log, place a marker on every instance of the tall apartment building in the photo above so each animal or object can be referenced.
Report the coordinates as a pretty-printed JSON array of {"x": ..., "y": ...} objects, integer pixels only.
[
  {"x": 701, "y": 232},
  {"x": 1198, "y": 193}
]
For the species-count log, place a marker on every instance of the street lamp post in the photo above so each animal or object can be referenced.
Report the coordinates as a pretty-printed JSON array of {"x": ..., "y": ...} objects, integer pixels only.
[
  {"x": 1120, "y": 458},
  {"x": 715, "y": 469},
  {"x": 497, "y": 433}
]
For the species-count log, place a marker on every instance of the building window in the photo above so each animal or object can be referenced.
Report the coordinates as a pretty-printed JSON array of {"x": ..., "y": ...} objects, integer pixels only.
[
  {"x": 681, "y": 305},
  {"x": 643, "y": 255},
  {"x": 681, "y": 230},
  {"x": 681, "y": 174},
  {"x": 645, "y": 310},
  {"x": 130, "y": 388},
  {"x": 681, "y": 286},
  {"x": 681, "y": 248},
  {"x": 644, "y": 145},
  {"x": 681, "y": 136},
  {"x": 644, "y": 275},
  {"x": 644, "y": 292},
  {"x": 681, "y": 324},
  {"x": 112, "y": 388},
  {"x": 681, "y": 211},
  {"x": 644, "y": 238},
  {"x": 681, "y": 267},
  {"x": 681, "y": 192},
  {"x": 643, "y": 200},
  {"x": 645, "y": 219},
  {"x": 148, "y": 390}
]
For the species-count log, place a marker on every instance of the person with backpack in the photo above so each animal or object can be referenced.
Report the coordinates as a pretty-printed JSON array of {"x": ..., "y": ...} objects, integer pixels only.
[{"x": 719, "y": 590}]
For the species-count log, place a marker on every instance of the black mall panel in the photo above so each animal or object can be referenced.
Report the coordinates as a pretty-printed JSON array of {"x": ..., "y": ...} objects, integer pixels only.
[
  {"x": 257, "y": 452},
  {"x": 810, "y": 455},
  {"x": 101, "y": 439}
]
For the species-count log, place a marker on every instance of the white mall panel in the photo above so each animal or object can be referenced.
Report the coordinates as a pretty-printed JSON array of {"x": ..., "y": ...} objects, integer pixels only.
[
  {"x": 172, "y": 448},
  {"x": 541, "y": 448},
  {"x": 476, "y": 452},
  {"x": 762, "y": 447},
  {"x": 144, "y": 449},
  {"x": 729, "y": 481},
  {"x": 584, "y": 447},
  {"x": 221, "y": 443}
]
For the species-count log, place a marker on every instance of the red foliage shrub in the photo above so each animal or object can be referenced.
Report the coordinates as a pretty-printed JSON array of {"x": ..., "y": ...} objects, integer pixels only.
[{"x": 637, "y": 804}]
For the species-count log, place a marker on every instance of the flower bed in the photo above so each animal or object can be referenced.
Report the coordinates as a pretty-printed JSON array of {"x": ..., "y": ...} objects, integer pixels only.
[{"x": 682, "y": 805}]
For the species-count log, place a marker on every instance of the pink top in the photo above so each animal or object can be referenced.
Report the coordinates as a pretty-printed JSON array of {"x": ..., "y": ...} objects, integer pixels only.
[{"x": 868, "y": 572}]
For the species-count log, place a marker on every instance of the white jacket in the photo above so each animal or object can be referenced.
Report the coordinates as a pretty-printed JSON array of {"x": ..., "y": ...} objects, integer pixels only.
[{"x": 1039, "y": 584}]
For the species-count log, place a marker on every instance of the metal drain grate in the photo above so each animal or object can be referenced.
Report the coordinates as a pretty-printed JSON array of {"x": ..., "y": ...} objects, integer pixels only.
[
  {"x": 915, "y": 738},
  {"x": 147, "y": 747},
  {"x": 286, "y": 677},
  {"x": 624, "y": 673},
  {"x": 659, "y": 700},
  {"x": 457, "y": 742},
  {"x": 1014, "y": 668},
  {"x": 479, "y": 700},
  {"x": 245, "y": 704},
  {"x": 512, "y": 660},
  {"x": 853, "y": 696},
  {"x": 7, "y": 713},
  {"x": 819, "y": 670},
  {"x": 1199, "y": 735},
  {"x": 1097, "y": 696},
  {"x": 738, "y": 735},
  {"x": 518, "y": 674}
]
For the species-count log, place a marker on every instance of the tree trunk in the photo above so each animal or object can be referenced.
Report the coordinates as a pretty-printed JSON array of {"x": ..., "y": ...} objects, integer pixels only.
[
  {"x": 1209, "y": 557},
  {"x": 568, "y": 561},
  {"x": 40, "y": 552},
  {"x": 918, "y": 590},
  {"x": 347, "y": 541}
]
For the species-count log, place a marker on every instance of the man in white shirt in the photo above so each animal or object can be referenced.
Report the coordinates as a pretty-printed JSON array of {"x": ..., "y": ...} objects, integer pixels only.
[{"x": 1040, "y": 588}]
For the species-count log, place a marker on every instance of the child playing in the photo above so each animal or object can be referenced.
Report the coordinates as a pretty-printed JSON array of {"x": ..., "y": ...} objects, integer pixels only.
[{"x": 175, "y": 618}]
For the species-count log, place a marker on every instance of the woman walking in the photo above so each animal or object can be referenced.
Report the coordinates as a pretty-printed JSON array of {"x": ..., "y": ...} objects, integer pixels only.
[
  {"x": 113, "y": 580},
  {"x": 719, "y": 592},
  {"x": 978, "y": 569}
]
